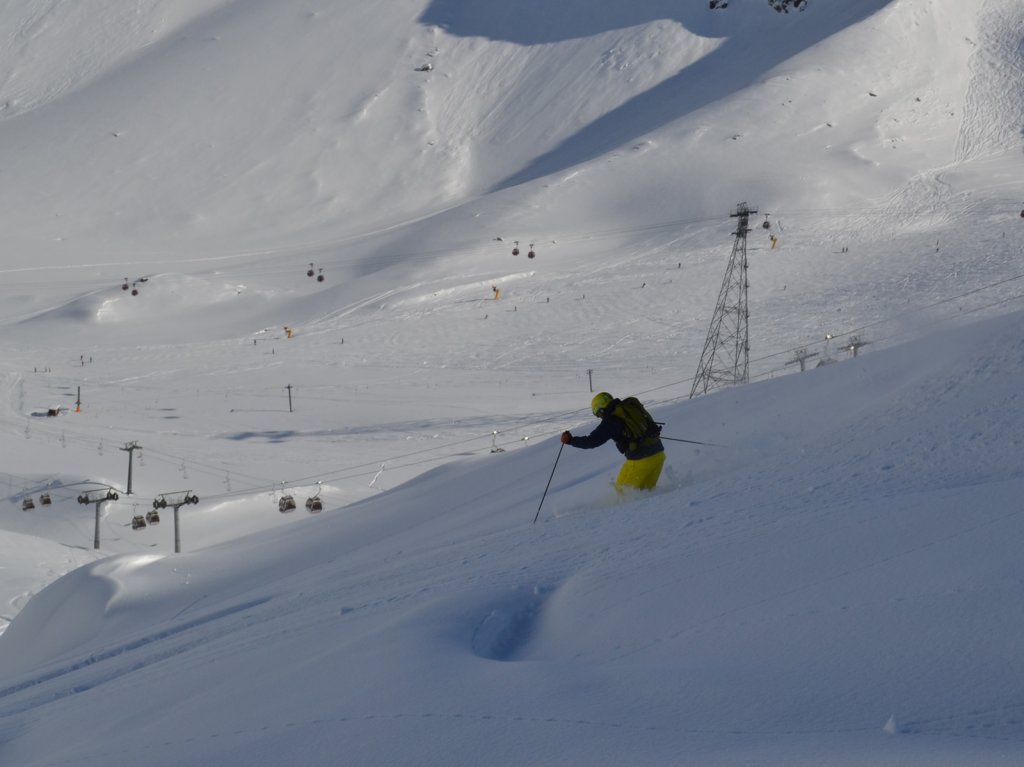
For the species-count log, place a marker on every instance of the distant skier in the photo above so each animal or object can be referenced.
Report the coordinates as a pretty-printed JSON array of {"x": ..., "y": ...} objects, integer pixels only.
[{"x": 636, "y": 435}]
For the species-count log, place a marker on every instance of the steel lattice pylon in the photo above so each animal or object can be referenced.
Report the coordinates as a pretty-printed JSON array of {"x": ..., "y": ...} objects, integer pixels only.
[{"x": 726, "y": 356}]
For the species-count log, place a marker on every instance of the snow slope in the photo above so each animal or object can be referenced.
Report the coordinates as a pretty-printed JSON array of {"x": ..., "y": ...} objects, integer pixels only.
[
  {"x": 832, "y": 580},
  {"x": 832, "y": 568}
]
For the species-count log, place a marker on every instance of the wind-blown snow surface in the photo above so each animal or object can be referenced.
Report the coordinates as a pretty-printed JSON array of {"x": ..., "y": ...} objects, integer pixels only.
[{"x": 834, "y": 580}]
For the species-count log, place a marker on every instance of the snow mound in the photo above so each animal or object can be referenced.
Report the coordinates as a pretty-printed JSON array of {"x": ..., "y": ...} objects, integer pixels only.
[{"x": 179, "y": 292}]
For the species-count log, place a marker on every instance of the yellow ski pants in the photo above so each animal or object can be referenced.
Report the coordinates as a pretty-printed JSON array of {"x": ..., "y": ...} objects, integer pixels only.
[{"x": 642, "y": 473}]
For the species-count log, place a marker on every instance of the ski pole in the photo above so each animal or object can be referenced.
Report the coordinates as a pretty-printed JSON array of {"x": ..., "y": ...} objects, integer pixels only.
[
  {"x": 549, "y": 483},
  {"x": 692, "y": 442}
]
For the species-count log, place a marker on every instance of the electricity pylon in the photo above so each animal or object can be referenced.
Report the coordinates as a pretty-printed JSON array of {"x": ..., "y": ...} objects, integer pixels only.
[{"x": 726, "y": 356}]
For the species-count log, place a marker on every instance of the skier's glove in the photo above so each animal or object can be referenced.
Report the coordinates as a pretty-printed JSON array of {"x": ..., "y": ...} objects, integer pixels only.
[{"x": 566, "y": 438}]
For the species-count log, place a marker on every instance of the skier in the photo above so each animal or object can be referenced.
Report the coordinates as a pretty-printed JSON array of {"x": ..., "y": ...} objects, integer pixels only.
[{"x": 636, "y": 435}]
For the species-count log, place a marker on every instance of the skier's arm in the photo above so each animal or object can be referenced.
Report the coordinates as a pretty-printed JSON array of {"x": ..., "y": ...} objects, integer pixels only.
[{"x": 605, "y": 431}]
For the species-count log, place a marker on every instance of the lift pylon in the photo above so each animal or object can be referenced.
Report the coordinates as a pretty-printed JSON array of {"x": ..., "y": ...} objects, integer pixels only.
[{"x": 725, "y": 359}]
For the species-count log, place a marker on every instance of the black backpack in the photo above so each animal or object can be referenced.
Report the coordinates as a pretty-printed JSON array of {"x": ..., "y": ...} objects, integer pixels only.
[{"x": 640, "y": 427}]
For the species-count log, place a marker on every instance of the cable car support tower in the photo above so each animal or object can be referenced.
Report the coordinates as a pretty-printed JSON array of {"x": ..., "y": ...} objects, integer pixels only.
[{"x": 725, "y": 359}]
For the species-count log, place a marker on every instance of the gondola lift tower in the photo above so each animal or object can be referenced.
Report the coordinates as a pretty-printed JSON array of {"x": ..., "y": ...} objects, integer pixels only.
[{"x": 725, "y": 359}]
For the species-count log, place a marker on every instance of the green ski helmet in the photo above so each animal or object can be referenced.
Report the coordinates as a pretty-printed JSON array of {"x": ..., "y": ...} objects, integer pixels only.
[{"x": 600, "y": 402}]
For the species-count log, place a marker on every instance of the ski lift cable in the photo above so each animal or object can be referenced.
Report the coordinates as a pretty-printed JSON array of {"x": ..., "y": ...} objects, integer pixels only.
[
  {"x": 151, "y": 453},
  {"x": 904, "y": 313},
  {"x": 343, "y": 473},
  {"x": 1009, "y": 205},
  {"x": 909, "y": 334},
  {"x": 994, "y": 207},
  {"x": 893, "y": 318},
  {"x": 940, "y": 320},
  {"x": 205, "y": 468},
  {"x": 364, "y": 469}
]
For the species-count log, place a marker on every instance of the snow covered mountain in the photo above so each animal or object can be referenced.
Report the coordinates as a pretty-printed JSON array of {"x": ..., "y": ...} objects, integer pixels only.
[{"x": 829, "y": 576}]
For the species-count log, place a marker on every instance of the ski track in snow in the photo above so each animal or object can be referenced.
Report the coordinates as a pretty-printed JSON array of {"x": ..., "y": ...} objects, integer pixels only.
[
  {"x": 111, "y": 663},
  {"x": 997, "y": 69}
]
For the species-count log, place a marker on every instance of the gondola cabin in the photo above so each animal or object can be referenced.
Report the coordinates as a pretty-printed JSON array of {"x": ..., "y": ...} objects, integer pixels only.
[
  {"x": 314, "y": 505},
  {"x": 153, "y": 517},
  {"x": 27, "y": 505},
  {"x": 44, "y": 499},
  {"x": 286, "y": 504},
  {"x": 138, "y": 522}
]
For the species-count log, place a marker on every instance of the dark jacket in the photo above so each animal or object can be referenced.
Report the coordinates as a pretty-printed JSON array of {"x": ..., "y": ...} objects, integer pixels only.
[{"x": 613, "y": 428}]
